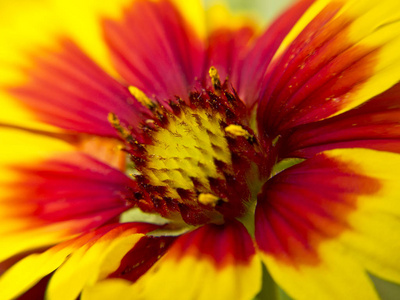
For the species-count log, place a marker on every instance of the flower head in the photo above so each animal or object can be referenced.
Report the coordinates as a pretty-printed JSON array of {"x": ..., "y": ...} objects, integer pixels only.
[{"x": 153, "y": 151}]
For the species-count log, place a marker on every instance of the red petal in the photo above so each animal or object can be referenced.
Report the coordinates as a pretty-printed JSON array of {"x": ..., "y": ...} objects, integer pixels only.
[
  {"x": 67, "y": 89},
  {"x": 217, "y": 244},
  {"x": 142, "y": 257},
  {"x": 154, "y": 49},
  {"x": 330, "y": 67},
  {"x": 374, "y": 125},
  {"x": 251, "y": 70},
  {"x": 74, "y": 188},
  {"x": 60, "y": 198},
  {"x": 226, "y": 50}
]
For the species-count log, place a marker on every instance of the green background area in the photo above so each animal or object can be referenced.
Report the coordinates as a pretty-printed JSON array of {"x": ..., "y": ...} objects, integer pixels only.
[{"x": 266, "y": 9}]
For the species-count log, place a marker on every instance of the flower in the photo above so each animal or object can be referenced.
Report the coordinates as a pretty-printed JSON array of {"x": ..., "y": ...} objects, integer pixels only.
[{"x": 150, "y": 154}]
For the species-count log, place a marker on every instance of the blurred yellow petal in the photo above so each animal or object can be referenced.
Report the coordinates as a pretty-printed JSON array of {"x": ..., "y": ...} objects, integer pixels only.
[
  {"x": 109, "y": 289},
  {"x": 376, "y": 222},
  {"x": 193, "y": 12},
  {"x": 101, "y": 259},
  {"x": 338, "y": 276},
  {"x": 77, "y": 263},
  {"x": 34, "y": 267},
  {"x": 219, "y": 16},
  {"x": 216, "y": 267}
]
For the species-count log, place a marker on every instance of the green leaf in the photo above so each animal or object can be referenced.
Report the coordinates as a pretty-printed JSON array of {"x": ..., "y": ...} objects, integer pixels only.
[
  {"x": 270, "y": 290},
  {"x": 386, "y": 289}
]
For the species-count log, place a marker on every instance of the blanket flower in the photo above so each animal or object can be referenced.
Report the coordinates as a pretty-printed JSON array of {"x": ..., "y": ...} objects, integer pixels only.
[{"x": 155, "y": 150}]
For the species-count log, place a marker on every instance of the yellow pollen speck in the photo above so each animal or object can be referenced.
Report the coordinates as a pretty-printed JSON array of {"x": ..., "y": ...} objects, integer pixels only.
[
  {"x": 208, "y": 199},
  {"x": 113, "y": 119},
  {"x": 275, "y": 140},
  {"x": 115, "y": 122},
  {"x": 141, "y": 97},
  {"x": 237, "y": 130},
  {"x": 216, "y": 82}
]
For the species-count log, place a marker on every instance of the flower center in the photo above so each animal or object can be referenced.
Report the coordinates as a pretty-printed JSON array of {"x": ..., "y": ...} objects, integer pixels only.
[{"x": 197, "y": 160}]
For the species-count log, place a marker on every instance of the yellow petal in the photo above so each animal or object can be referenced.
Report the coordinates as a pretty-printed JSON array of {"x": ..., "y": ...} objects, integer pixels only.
[
  {"x": 88, "y": 265},
  {"x": 376, "y": 222},
  {"x": 205, "y": 264},
  {"x": 326, "y": 223},
  {"x": 338, "y": 276},
  {"x": 109, "y": 289},
  {"x": 27, "y": 272},
  {"x": 219, "y": 16},
  {"x": 77, "y": 263}
]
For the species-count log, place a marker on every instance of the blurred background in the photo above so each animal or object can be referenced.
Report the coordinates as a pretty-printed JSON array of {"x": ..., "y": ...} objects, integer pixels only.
[{"x": 266, "y": 9}]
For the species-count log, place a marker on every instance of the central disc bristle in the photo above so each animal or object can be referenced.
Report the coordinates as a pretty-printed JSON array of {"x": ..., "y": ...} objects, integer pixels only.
[{"x": 183, "y": 154}]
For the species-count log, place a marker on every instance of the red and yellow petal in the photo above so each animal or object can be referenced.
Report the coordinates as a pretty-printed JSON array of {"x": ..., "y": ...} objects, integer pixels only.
[
  {"x": 26, "y": 27},
  {"x": 86, "y": 29},
  {"x": 376, "y": 222},
  {"x": 334, "y": 60},
  {"x": 250, "y": 80},
  {"x": 229, "y": 40},
  {"x": 29, "y": 24},
  {"x": 212, "y": 262},
  {"x": 76, "y": 263},
  {"x": 162, "y": 32},
  {"x": 194, "y": 14},
  {"x": 55, "y": 69},
  {"x": 322, "y": 224},
  {"x": 374, "y": 125},
  {"x": 106, "y": 150},
  {"x": 66, "y": 89},
  {"x": 20, "y": 30},
  {"x": 50, "y": 191}
]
